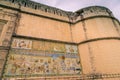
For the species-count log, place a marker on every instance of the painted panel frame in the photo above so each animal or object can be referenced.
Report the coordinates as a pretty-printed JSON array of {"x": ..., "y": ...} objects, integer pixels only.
[{"x": 45, "y": 58}]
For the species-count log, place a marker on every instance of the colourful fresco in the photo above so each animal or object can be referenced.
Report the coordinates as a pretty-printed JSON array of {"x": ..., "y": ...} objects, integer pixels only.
[
  {"x": 21, "y": 43},
  {"x": 30, "y": 65},
  {"x": 44, "y": 58},
  {"x": 48, "y": 46},
  {"x": 71, "y": 49}
]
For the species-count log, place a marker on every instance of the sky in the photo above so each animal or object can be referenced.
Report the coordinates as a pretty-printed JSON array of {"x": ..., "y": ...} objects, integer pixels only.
[{"x": 74, "y": 5}]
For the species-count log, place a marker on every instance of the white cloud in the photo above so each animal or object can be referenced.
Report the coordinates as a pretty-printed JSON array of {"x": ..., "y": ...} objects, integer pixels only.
[
  {"x": 116, "y": 11},
  {"x": 73, "y": 5},
  {"x": 47, "y": 2}
]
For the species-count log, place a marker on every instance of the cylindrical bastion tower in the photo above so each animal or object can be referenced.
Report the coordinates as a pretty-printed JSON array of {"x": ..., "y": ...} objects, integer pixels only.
[{"x": 98, "y": 36}]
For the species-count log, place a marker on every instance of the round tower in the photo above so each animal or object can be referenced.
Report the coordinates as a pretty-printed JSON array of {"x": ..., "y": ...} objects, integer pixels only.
[{"x": 99, "y": 41}]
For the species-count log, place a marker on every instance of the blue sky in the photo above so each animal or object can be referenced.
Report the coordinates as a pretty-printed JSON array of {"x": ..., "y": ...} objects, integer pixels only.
[{"x": 73, "y": 5}]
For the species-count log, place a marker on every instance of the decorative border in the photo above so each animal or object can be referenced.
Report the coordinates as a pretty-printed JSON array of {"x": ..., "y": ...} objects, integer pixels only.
[
  {"x": 73, "y": 77},
  {"x": 43, "y": 53}
]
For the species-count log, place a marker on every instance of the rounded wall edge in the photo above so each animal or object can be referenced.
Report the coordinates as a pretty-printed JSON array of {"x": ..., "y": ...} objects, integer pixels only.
[
  {"x": 96, "y": 28},
  {"x": 98, "y": 39},
  {"x": 97, "y": 16},
  {"x": 96, "y": 6},
  {"x": 92, "y": 12}
]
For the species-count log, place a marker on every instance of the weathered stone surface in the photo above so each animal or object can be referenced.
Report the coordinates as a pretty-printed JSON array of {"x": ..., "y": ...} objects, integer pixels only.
[
  {"x": 3, "y": 54},
  {"x": 46, "y": 43}
]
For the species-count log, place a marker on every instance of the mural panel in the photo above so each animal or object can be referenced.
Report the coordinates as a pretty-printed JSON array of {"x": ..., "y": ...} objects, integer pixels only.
[
  {"x": 38, "y": 45},
  {"x": 44, "y": 58},
  {"x": 21, "y": 44},
  {"x": 57, "y": 47},
  {"x": 48, "y": 46},
  {"x": 71, "y": 48}
]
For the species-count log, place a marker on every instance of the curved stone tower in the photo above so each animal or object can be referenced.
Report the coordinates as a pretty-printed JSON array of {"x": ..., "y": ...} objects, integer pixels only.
[
  {"x": 98, "y": 42},
  {"x": 41, "y": 42}
]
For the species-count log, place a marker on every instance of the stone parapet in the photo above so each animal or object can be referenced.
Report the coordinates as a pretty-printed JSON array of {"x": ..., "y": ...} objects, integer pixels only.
[
  {"x": 92, "y": 11},
  {"x": 38, "y": 9},
  {"x": 30, "y": 7}
]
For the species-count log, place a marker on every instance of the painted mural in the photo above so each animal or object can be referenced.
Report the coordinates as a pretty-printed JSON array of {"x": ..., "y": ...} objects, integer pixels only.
[
  {"x": 71, "y": 49},
  {"x": 44, "y": 58},
  {"x": 48, "y": 46},
  {"x": 21, "y": 43}
]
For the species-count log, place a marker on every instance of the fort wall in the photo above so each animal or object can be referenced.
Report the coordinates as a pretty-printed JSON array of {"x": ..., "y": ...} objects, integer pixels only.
[{"x": 42, "y": 42}]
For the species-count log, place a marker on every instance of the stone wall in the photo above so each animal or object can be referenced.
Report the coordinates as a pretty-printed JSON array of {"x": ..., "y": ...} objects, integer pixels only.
[{"x": 41, "y": 42}]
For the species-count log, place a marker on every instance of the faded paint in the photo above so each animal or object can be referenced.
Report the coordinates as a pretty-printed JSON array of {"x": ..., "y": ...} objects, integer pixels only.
[{"x": 40, "y": 42}]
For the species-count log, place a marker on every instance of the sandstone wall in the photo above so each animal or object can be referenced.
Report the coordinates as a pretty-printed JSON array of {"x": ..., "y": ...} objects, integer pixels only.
[
  {"x": 100, "y": 52},
  {"x": 80, "y": 45},
  {"x": 39, "y": 27}
]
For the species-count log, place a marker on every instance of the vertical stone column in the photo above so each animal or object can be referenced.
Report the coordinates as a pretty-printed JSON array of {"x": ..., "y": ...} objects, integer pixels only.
[
  {"x": 3, "y": 55},
  {"x": 8, "y": 21}
]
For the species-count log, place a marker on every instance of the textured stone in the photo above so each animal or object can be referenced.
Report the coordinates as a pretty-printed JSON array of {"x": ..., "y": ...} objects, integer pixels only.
[{"x": 46, "y": 43}]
